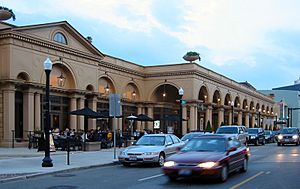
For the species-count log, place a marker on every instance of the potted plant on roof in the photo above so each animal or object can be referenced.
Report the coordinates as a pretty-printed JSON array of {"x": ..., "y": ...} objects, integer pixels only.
[
  {"x": 191, "y": 56},
  {"x": 6, "y": 13}
]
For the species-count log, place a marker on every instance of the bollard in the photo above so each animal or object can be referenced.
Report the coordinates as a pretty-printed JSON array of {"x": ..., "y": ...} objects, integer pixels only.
[
  {"x": 68, "y": 150},
  {"x": 13, "y": 139}
]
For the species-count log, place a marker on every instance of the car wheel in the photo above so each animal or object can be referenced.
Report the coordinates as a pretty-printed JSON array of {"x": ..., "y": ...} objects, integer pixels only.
[
  {"x": 278, "y": 144},
  {"x": 297, "y": 143},
  {"x": 256, "y": 142},
  {"x": 244, "y": 166},
  {"x": 263, "y": 142},
  {"x": 161, "y": 159},
  {"x": 126, "y": 164},
  {"x": 224, "y": 173},
  {"x": 172, "y": 178}
]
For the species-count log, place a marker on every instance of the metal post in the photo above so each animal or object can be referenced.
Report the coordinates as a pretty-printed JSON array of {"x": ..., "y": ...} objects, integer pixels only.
[
  {"x": 13, "y": 138},
  {"x": 258, "y": 119},
  {"x": 115, "y": 135},
  {"x": 180, "y": 118},
  {"x": 68, "y": 150},
  {"x": 47, "y": 161},
  {"x": 291, "y": 117},
  {"x": 232, "y": 116}
]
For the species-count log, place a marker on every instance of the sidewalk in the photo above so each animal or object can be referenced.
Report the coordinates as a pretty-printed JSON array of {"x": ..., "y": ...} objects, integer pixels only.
[{"x": 21, "y": 163}]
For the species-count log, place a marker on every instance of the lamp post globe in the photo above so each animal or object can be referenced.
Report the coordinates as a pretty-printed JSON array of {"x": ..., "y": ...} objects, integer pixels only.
[
  {"x": 180, "y": 92},
  {"x": 47, "y": 161}
]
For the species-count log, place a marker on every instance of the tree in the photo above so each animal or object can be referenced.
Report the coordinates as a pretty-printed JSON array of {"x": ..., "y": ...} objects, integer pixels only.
[{"x": 208, "y": 126}]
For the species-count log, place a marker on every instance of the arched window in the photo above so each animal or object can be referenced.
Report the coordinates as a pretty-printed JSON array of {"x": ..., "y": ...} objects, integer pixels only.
[{"x": 60, "y": 38}]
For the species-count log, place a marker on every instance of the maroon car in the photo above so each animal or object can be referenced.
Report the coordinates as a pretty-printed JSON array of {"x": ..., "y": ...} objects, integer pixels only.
[{"x": 213, "y": 156}]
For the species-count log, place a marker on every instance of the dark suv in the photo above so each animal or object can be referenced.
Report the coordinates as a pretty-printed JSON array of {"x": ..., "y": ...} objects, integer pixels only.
[
  {"x": 256, "y": 136},
  {"x": 288, "y": 135}
]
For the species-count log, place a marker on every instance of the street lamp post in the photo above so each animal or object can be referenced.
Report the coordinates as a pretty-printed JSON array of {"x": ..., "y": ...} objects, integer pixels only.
[
  {"x": 47, "y": 162},
  {"x": 180, "y": 92},
  {"x": 232, "y": 112}
]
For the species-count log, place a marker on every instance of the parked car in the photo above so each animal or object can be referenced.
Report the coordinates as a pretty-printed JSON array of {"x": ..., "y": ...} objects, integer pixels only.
[
  {"x": 151, "y": 148},
  {"x": 208, "y": 156},
  {"x": 256, "y": 136},
  {"x": 269, "y": 136},
  {"x": 240, "y": 132},
  {"x": 189, "y": 136},
  {"x": 288, "y": 135}
]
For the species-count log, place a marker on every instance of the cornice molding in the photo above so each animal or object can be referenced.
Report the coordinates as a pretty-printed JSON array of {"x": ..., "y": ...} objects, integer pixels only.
[{"x": 47, "y": 44}]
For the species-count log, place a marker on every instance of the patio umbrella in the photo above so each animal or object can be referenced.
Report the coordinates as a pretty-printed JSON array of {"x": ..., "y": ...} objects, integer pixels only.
[
  {"x": 143, "y": 117},
  {"x": 87, "y": 112}
]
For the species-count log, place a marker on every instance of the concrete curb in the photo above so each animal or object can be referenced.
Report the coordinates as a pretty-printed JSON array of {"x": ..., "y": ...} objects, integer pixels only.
[{"x": 24, "y": 177}]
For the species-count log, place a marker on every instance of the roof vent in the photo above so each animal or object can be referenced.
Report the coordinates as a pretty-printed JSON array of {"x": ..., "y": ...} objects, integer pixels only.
[{"x": 90, "y": 39}]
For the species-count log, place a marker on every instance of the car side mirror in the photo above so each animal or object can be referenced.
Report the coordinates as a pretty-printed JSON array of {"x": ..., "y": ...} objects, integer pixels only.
[
  {"x": 231, "y": 149},
  {"x": 169, "y": 144}
]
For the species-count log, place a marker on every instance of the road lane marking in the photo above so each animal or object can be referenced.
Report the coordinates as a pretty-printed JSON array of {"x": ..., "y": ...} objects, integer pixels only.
[
  {"x": 247, "y": 180},
  {"x": 147, "y": 178}
]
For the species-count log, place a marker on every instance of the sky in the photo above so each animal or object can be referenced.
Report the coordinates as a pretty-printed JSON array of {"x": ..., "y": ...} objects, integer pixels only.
[{"x": 257, "y": 41}]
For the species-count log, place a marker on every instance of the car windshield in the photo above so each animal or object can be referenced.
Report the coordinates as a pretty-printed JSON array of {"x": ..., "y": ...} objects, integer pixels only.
[
  {"x": 189, "y": 136},
  {"x": 289, "y": 131},
  {"x": 252, "y": 131},
  {"x": 205, "y": 144},
  {"x": 227, "y": 130},
  {"x": 267, "y": 132},
  {"x": 151, "y": 141}
]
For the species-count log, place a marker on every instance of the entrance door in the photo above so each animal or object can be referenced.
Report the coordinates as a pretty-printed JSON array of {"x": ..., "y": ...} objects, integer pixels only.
[
  {"x": 55, "y": 121},
  {"x": 19, "y": 115}
]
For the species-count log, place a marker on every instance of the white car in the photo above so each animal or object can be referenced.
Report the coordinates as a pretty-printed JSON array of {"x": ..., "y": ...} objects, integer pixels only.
[
  {"x": 237, "y": 131},
  {"x": 151, "y": 148}
]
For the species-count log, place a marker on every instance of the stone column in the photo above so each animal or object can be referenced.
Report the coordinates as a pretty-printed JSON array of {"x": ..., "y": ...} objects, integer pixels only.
[
  {"x": 230, "y": 117},
  {"x": 37, "y": 111},
  {"x": 92, "y": 104},
  {"x": 208, "y": 116},
  {"x": 80, "y": 119},
  {"x": 150, "y": 114},
  {"x": 138, "y": 124},
  {"x": 247, "y": 119},
  {"x": 8, "y": 115},
  {"x": 28, "y": 112},
  {"x": 220, "y": 116},
  {"x": 240, "y": 117},
  {"x": 253, "y": 120},
  {"x": 263, "y": 122},
  {"x": 192, "y": 118},
  {"x": 196, "y": 117},
  {"x": 73, "y": 118},
  {"x": 184, "y": 116},
  {"x": 120, "y": 121}
]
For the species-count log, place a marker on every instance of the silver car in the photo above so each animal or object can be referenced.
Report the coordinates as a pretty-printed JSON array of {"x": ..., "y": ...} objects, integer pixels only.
[
  {"x": 237, "y": 131},
  {"x": 151, "y": 148}
]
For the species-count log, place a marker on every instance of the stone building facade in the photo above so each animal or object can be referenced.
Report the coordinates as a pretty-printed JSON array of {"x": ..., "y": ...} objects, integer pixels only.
[{"x": 82, "y": 76}]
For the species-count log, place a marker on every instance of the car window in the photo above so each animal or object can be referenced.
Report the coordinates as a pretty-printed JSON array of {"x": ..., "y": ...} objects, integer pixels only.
[
  {"x": 289, "y": 131},
  {"x": 205, "y": 144},
  {"x": 252, "y": 131},
  {"x": 175, "y": 139},
  {"x": 227, "y": 130},
  {"x": 151, "y": 140},
  {"x": 169, "y": 139},
  {"x": 233, "y": 142}
]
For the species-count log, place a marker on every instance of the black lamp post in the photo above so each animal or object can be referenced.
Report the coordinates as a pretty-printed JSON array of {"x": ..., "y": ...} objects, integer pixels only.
[
  {"x": 180, "y": 92},
  {"x": 232, "y": 112},
  {"x": 47, "y": 161}
]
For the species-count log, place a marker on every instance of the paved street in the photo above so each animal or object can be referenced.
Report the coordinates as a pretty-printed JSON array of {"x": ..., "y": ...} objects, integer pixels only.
[{"x": 269, "y": 167}]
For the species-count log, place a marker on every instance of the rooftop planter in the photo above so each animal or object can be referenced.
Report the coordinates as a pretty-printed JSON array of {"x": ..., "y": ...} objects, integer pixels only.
[
  {"x": 6, "y": 13},
  {"x": 191, "y": 56}
]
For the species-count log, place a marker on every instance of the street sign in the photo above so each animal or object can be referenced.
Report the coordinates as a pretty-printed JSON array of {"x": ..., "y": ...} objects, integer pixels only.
[
  {"x": 183, "y": 102},
  {"x": 114, "y": 105},
  {"x": 156, "y": 124}
]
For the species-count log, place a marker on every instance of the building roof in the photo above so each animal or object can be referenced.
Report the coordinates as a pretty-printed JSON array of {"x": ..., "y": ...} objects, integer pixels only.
[
  {"x": 246, "y": 84},
  {"x": 289, "y": 87}
]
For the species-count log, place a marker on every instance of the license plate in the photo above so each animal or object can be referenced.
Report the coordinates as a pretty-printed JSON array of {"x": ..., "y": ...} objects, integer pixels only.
[
  {"x": 133, "y": 158},
  {"x": 286, "y": 140},
  {"x": 185, "y": 172}
]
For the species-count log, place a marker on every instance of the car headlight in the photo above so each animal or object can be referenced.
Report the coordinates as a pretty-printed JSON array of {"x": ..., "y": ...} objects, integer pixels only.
[
  {"x": 150, "y": 153},
  {"x": 207, "y": 164},
  {"x": 280, "y": 137},
  {"x": 169, "y": 164},
  {"x": 252, "y": 137},
  {"x": 295, "y": 137},
  {"x": 123, "y": 153}
]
